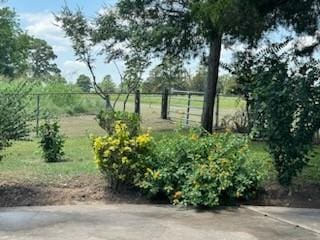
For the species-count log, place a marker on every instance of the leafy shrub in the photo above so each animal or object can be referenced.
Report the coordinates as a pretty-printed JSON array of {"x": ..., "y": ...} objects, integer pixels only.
[
  {"x": 107, "y": 121},
  {"x": 122, "y": 157},
  {"x": 13, "y": 117},
  {"x": 287, "y": 110},
  {"x": 51, "y": 141},
  {"x": 207, "y": 171}
]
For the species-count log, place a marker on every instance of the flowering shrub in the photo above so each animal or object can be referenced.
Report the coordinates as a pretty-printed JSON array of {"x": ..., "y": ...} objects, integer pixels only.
[
  {"x": 206, "y": 171},
  {"x": 122, "y": 156}
]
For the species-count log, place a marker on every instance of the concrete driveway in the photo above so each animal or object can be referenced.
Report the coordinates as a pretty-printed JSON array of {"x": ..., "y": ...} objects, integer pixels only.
[{"x": 95, "y": 222}]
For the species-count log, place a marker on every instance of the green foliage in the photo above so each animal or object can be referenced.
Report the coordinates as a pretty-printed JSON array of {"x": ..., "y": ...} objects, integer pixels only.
[
  {"x": 13, "y": 117},
  {"x": 21, "y": 54},
  {"x": 84, "y": 83},
  {"x": 51, "y": 141},
  {"x": 108, "y": 119},
  {"x": 286, "y": 109},
  {"x": 169, "y": 74},
  {"x": 41, "y": 56},
  {"x": 197, "y": 82},
  {"x": 185, "y": 29},
  {"x": 206, "y": 171},
  {"x": 107, "y": 85},
  {"x": 122, "y": 156}
]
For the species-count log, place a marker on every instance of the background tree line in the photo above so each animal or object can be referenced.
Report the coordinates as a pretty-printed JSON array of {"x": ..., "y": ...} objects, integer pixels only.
[{"x": 22, "y": 55}]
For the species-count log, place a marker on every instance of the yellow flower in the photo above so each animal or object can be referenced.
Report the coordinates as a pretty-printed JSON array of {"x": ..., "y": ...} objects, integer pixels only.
[
  {"x": 194, "y": 137},
  {"x": 143, "y": 140},
  {"x": 98, "y": 144}
]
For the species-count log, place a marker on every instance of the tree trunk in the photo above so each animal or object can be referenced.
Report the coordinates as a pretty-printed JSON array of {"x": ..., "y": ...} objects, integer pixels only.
[{"x": 212, "y": 81}]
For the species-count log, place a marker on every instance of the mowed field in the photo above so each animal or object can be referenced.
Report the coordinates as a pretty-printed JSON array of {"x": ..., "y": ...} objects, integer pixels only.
[{"x": 77, "y": 112}]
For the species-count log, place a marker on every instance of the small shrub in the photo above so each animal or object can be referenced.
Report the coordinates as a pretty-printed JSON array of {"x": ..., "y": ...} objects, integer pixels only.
[
  {"x": 51, "y": 141},
  {"x": 107, "y": 121},
  {"x": 206, "y": 171},
  {"x": 122, "y": 157}
]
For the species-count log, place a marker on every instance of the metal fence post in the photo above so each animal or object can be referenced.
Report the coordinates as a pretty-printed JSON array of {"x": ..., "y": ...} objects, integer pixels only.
[
  {"x": 217, "y": 111},
  {"x": 137, "y": 102},
  {"x": 164, "y": 104},
  {"x": 188, "y": 109},
  {"x": 37, "y": 115}
]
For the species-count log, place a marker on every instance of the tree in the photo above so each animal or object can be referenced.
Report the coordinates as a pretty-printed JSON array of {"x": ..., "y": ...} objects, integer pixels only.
[
  {"x": 166, "y": 75},
  {"x": 13, "y": 118},
  {"x": 107, "y": 85},
  {"x": 227, "y": 84},
  {"x": 13, "y": 45},
  {"x": 84, "y": 82},
  {"x": 197, "y": 82},
  {"x": 184, "y": 28},
  {"x": 21, "y": 54},
  {"x": 41, "y": 56},
  {"x": 85, "y": 36}
]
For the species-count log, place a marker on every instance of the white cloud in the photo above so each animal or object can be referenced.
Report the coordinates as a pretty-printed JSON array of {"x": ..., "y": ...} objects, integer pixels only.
[
  {"x": 44, "y": 26},
  {"x": 72, "y": 66}
]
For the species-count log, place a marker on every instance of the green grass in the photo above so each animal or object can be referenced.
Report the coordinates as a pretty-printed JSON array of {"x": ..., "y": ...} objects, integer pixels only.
[
  {"x": 23, "y": 162},
  {"x": 310, "y": 174}
]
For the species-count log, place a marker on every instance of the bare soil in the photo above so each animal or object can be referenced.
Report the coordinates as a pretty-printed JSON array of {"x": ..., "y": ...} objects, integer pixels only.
[
  {"x": 305, "y": 195},
  {"x": 79, "y": 190},
  {"x": 89, "y": 189}
]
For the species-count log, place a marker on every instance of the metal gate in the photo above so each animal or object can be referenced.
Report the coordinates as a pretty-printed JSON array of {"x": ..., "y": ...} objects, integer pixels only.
[{"x": 185, "y": 107}]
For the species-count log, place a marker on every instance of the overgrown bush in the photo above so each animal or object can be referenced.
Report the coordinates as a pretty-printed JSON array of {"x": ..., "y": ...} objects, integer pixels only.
[
  {"x": 121, "y": 156},
  {"x": 51, "y": 141},
  {"x": 187, "y": 169},
  {"x": 207, "y": 171},
  {"x": 287, "y": 110},
  {"x": 107, "y": 121}
]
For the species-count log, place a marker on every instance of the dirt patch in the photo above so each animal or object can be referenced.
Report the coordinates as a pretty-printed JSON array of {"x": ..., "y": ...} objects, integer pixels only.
[
  {"x": 90, "y": 189},
  {"x": 81, "y": 189},
  {"x": 299, "y": 196}
]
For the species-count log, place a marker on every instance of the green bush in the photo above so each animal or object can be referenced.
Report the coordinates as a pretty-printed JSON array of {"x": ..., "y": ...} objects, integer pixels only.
[
  {"x": 13, "y": 117},
  {"x": 51, "y": 141},
  {"x": 207, "y": 171},
  {"x": 108, "y": 119}
]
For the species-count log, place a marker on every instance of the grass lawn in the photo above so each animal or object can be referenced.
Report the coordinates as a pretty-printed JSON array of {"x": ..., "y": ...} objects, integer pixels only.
[{"x": 23, "y": 162}]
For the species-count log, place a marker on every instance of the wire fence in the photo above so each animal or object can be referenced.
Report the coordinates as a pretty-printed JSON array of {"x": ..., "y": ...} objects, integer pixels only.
[{"x": 76, "y": 111}]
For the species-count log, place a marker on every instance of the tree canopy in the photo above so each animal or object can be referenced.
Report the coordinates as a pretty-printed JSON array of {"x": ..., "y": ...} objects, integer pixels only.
[
  {"x": 186, "y": 29},
  {"x": 107, "y": 84},
  {"x": 21, "y": 54},
  {"x": 84, "y": 82}
]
